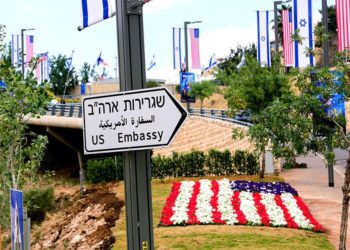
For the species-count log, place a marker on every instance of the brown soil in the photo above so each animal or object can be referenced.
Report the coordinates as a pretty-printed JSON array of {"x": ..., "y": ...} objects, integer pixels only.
[{"x": 84, "y": 223}]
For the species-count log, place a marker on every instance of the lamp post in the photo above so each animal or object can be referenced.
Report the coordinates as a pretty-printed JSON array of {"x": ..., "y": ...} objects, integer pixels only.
[
  {"x": 275, "y": 4},
  {"x": 186, "y": 45},
  {"x": 22, "y": 44}
]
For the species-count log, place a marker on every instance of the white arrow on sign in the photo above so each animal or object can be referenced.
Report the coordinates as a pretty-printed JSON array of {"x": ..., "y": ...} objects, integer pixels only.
[{"x": 132, "y": 120}]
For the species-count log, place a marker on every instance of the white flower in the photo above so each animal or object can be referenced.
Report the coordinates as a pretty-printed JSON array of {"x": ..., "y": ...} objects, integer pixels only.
[
  {"x": 204, "y": 209},
  {"x": 180, "y": 208},
  {"x": 225, "y": 203},
  {"x": 248, "y": 208}
]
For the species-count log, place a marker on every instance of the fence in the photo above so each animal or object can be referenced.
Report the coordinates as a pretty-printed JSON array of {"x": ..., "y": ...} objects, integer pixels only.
[{"x": 76, "y": 110}]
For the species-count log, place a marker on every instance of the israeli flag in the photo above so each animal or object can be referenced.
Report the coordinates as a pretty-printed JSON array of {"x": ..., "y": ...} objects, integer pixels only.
[
  {"x": 302, "y": 23},
  {"x": 177, "y": 48},
  {"x": 152, "y": 63},
  {"x": 212, "y": 62},
  {"x": 94, "y": 11},
  {"x": 15, "y": 50},
  {"x": 264, "y": 51}
]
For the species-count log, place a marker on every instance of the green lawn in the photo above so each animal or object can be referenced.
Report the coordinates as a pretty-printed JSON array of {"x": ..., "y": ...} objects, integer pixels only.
[{"x": 219, "y": 236}]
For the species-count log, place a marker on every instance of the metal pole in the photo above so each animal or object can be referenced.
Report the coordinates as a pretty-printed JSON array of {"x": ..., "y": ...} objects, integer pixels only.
[
  {"x": 186, "y": 47},
  {"x": 330, "y": 168},
  {"x": 325, "y": 41},
  {"x": 22, "y": 51},
  {"x": 275, "y": 4},
  {"x": 137, "y": 164}
]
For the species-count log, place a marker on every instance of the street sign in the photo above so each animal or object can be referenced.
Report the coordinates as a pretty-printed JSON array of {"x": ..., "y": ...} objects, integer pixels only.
[{"x": 131, "y": 120}]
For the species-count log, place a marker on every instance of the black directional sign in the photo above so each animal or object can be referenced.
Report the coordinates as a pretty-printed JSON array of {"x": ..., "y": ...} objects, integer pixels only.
[{"x": 132, "y": 120}]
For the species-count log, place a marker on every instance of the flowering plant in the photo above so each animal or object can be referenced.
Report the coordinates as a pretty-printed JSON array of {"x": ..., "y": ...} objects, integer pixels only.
[{"x": 237, "y": 202}]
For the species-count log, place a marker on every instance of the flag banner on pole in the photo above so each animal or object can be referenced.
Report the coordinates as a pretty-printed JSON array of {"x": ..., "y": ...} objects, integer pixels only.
[
  {"x": 15, "y": 48},
  {"x": 343, "y": 24},
  {"x": 287, "y": 23},
  {"x": 94, "y": 11},
  {"x": 152, "y": 63},
  {"x": 40, "y": 67},
  {"x": 195, "y": 55},
  {"x": 212, "y": 62},
  {"x": 100, "y": 61},
  {"x": 264, "y": 51},
  {"x": 69, "y": 61},
  {"x": 177, "y": 48},
  {"x": 29, "y": 49},
  {"x": 302, "y": 23}
]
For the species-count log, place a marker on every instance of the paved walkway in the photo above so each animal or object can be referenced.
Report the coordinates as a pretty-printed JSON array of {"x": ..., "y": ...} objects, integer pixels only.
[{"x": 324, "y": 202}]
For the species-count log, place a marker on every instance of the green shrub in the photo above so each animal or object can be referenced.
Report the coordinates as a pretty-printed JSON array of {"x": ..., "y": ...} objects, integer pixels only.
[
  {"x": 239, "y": 161},
  {"x": 252, "y": 164},
  {"x": 219, "y": 163},
  {"x": 38, "y": 202},
  {"x": 152, "y": 84},
  {"x": 177, "y": 88},
  {"x": 195, "y": 163},
  {"x": 160, "y": 167},
  {"x": 105, "y": 170},
  {"x": 245, "y": 162}
]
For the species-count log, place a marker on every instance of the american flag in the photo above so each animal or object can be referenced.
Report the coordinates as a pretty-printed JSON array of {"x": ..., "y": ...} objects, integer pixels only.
[
  {"x": 29, "y": 47},
  {"x": 236, "y": 202},
  {"x": 343, "y": 23},
  {"x": 287, "y": 37},
  {"x": 194, "y": 38}
]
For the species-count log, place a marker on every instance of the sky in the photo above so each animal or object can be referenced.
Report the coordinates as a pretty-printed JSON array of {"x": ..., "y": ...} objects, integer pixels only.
[{"x": 225, "y": 25}]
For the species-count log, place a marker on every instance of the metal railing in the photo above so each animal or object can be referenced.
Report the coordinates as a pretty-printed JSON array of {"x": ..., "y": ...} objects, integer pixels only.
[
  {"x": 66, "y": 110},
  {"x": 76, "y": 110}
]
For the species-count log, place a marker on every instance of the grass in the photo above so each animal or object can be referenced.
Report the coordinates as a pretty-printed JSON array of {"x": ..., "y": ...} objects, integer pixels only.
[{"x": 218, "y": 236}]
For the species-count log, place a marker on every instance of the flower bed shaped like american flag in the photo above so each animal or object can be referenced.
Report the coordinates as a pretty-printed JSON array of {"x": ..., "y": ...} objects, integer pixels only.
[{"x": 274, "y": 204}]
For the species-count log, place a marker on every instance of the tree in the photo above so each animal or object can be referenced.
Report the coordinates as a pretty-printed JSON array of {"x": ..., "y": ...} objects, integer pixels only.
[
  {"x": 202, "y": 90},
  {"x": 254, "y": 87},
  {"x": 298, "y": 124},
  {"x": 21, "y": 151},
  {"x": 87, "y": 72},
  {"x": 62, "y": 75},
  {"x": 228, "y": 66}
]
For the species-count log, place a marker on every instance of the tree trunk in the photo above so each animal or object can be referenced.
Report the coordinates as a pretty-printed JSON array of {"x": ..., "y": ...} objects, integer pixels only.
[
  {"x": 262, "y": 172},
  {"x": 345, "y": 208},
  {"x": 0, "y": 238}
]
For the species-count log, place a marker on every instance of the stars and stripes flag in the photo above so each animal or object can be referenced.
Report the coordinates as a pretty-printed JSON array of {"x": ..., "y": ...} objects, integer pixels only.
[
  {"x": 343, "y": 24},
  {"x": 15, "y": 51},
  {"x": 177, "y": 48},
  {"x": 195, "y": 55},
  {"x": 94, "y": 11},
  {"x": 287, "y": 37},
  {"x": 29, "y": 49},
  {"x": 237, "y": 202},
  {"x": 264, "y": 51},
  {"x": 41, "y": 71},
  {"x": 302, "y": 23}
]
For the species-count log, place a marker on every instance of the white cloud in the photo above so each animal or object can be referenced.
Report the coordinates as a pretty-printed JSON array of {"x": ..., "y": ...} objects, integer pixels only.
[
  {"x": 222, "y": 40},
  {"x": 161, "y": 5}
]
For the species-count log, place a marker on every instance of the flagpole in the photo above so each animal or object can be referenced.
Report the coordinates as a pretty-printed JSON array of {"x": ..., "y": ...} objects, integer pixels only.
[{"x": 65, "y": 84}]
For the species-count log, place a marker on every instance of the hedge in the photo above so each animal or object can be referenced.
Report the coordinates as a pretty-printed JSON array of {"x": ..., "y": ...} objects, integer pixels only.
[{"x": 196, "y": 163}]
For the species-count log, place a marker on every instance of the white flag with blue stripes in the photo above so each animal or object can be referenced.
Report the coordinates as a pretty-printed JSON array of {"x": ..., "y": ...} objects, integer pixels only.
[
  {"x": 177, "y": 48},
  {"x": 302, "y": 23},
  {"x": 94, "y": 11},
  {"x": 15, "y": 51},
  {"x": 264, "y": 51}
]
